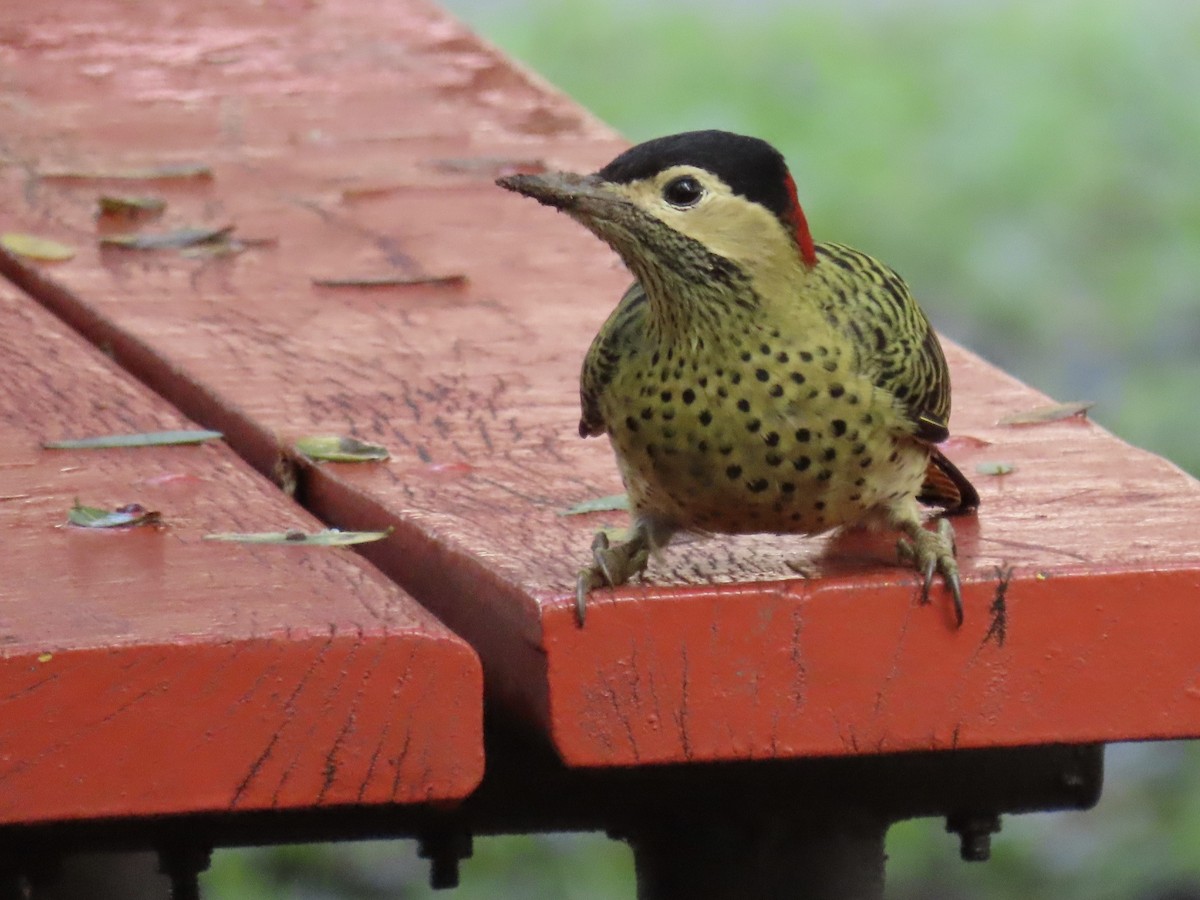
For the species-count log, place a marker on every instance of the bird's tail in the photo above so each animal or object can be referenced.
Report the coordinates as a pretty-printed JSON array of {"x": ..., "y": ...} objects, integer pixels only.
[{"x": 946, "y": 486}]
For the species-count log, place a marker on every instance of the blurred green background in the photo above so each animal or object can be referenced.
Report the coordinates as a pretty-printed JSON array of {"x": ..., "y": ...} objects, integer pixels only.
[{"x": 1033, "y": 170}]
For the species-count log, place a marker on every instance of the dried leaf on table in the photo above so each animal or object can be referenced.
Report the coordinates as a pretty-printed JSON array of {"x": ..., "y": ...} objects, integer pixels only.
[
  {"x": 130, "y": 515},
  {"x": 389, "y": 280},
  {"x": 336, "y": 448},
  {"x": 995, "y": 468},
  {"x": 31, "y": 246},
  {"x": 167, "y": 240},
  {"x": 366, "y": 191},
  {"x": 130, "y": 204},
  {"x": 491, "y": 166},
  {"x": 329, "y": 538},
  {"x": 1053, "y": 413},
  {"x": 612, "y": 503},
  {"x": 144, "y": 439},
  {"x": 167, "y": 172}
]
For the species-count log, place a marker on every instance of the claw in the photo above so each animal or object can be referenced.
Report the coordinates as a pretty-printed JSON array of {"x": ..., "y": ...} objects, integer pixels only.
[
  {"x": 601, "y": 556},
  {"x": 612, "y": 565},
  {"x": 594, "y": 576},
  {"x": 930, "y": 569},
  {"x": 950, "y": 568},
  {"x": 932, "y": 552},
  {"x": 956, "y": 593},
  {"x": 589, "y": 579}
]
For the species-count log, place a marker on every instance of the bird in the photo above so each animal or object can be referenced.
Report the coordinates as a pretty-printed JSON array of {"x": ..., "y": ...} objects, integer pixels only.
[{"x": 752, "y": 380}]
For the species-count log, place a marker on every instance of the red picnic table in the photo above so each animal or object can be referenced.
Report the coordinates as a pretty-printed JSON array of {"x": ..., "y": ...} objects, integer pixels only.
[
  {"x": 376, "y": 284},
  {"x": 147, "y": 672}
]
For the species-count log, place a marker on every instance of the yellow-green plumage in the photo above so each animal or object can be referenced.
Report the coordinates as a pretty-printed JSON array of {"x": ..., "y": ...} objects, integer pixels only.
[
  {"x": 776, "y": 417},
  {"x": 749, "y": 380}
]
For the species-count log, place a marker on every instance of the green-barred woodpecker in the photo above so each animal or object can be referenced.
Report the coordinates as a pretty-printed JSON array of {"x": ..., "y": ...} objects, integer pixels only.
[{"x": 751, "y": 380}]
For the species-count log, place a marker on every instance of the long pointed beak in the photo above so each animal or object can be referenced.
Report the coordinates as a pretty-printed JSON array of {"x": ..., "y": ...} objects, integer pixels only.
[{"x": 562, "y": 190}]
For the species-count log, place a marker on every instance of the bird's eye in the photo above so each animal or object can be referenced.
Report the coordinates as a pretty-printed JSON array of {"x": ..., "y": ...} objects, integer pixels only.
[{"x": 683, "y": 191}]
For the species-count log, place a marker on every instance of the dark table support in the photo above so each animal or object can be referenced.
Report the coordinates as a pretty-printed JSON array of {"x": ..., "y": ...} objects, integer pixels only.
[
  {"x": 737, "y": 854},
  {"x": 183, "y": 863},
  {"x": 813, "y": 828}
]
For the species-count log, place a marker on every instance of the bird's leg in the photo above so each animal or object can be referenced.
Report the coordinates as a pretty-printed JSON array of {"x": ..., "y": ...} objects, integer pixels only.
[
  {"x": 930, "y": 552},
  {"x": 613, "y": 564}
]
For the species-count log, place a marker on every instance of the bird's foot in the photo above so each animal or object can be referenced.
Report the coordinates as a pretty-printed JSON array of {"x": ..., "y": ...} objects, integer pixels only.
[
  {"x": 613, "y": 565},
  {"x": 930, "y": 552}
]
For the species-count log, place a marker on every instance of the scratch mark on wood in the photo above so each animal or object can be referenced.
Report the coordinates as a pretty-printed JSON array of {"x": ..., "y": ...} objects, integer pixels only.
[
  {"x": 331, "y": 766},
  {"x": 846, "y": 735},
  {"x": 635, "y": 677},
  {"x": 998, "y": 629},
  {"x": 289, "y": 712},
  {"x": 800, "y": 669},
  {"x": 328, "y": 705},
  {"x": 159, "y": 688},
  {"x": 255, "y": 768},
  {"x": 894, "y": 668},
  {"x": 386, "y": 244},
  {"x": 681, "y": 714},
  {"x": 426, "y": 767},
  {"x": 370, "y": 773},
  {"x": 29, "y": 689},
  {"x": 653, "y": 689},
  {"x": 481, "y": 426},
  {"x": 616, "y": 705},
  {"x": 398, "y": 762},
  {"x": 381, "y": 648},
  {"x": 521, "y": 495},
  {"x": 1023, "y": 545}
]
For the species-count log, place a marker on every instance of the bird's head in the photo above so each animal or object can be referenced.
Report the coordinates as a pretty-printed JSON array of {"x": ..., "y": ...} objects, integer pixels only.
[{"x": 689, "y": 210}]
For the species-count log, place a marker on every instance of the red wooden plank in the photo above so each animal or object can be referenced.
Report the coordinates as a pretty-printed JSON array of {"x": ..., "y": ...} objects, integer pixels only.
[
  {"x": 148, "y": 671},
  {"x": 724, "y": 654}
]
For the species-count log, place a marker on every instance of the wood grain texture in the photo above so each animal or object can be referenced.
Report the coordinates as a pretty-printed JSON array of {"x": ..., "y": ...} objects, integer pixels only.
[
  {"x": 364, "y": 137},
  {"x": 145, "y": 671}
]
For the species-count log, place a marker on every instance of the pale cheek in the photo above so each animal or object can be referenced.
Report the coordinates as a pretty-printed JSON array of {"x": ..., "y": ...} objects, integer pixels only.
[{"x": 745, "y": 236}]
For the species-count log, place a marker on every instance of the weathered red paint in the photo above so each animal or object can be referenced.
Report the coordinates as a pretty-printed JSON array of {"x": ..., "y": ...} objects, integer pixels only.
[
  {"x": 725, "y": 653},
  {"x": 147, "y": 671}
]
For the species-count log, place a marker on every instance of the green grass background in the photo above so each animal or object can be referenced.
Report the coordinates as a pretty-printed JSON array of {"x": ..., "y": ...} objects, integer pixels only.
[{"x": 1033, "y": 170}]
